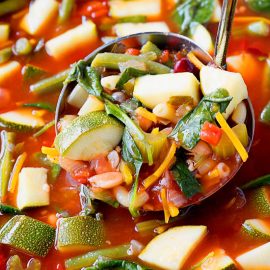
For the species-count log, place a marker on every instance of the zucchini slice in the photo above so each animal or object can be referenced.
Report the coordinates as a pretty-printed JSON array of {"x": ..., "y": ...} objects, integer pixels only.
[
  {"x": 88, "y": 136},
  {"x": 259, "y": 199},
  {"x": 256, "y": 228},
  {"x": 80, "y": 233},
  {"x": 21, "y": 120},
  {"x": 28, "y": 235},
  {"x": 257, "y": 258},
  {"x": 171, "y": 249}
]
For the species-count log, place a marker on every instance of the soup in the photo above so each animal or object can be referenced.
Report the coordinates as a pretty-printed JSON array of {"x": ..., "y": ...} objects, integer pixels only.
[{"x": 43, "y": 179}]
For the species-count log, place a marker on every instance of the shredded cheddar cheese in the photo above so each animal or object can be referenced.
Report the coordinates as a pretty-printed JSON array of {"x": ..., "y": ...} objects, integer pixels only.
[
  {"x": 163, "y": 166},
  {"x": 231, "y": 135},
  {"x": 163, "y": 195},
  {"x": 146, "y": 114}
]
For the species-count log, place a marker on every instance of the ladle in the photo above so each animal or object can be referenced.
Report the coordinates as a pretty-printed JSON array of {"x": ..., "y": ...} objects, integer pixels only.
[{"x": 173, "y": 41}]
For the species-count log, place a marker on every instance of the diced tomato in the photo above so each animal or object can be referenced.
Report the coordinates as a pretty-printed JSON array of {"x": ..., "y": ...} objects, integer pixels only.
[
  {"x": 82, "y": 174},
  {"x": 210, "y": 133},
  {"x": 165, "y": 56},
  {"x": 94, "y": 9},
  {"x": 99, "y": 13},
  {"x": 4, "y": 97},
  {"x": 133, "y": 51}
]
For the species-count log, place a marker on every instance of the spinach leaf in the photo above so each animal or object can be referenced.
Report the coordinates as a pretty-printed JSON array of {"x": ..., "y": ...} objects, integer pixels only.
[
  {"x": 132, "y": 155},
  {"x": 258, "y": 182},
  {"x": 188, "y": 129},
  {"x": 130, "y": 105},
  {"x": 189, "y": 11},
  {"x": 87, "y": 77},
  {"x": 185, "y": 179},
  {"x": 259, "y": 5},
  {"x": 105, "y": 264},
  {"x": 128, "y": 74},
  {"x": 86, "y": 201},
  {"x": 133, "y": 129}
]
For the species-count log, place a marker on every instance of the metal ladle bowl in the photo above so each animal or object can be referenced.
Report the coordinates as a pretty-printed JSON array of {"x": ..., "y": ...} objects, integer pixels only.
[{"x": 176, "y": 42}]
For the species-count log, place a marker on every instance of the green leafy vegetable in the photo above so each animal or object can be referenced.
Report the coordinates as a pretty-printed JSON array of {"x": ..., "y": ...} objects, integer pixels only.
[
  {"x": 41, "y": 105},
  {"x": 132, "y": 155},
  {"x": 54, "y": 169},
  {"x": 265, "y": 114},
  {"x": 105, "y": 196},
  {"x": 130, "y": 105},
  {"x": 260, "y": 181},
  {"x": 86, "y": 201},
  {"x": 31, "y": 72},
  {"x": 185, "y": 179},
  {"x": 6, "y": 160},
  {"x": 133, "y": 19},
  {"x": 259, "y": 5},
  {"x": 189, "y": 11},
  {"x": 7, "y": 209},
  {"x": 128, "y": 74},
  {"x": 133, "y": 129},
  {"x": 188, "y": 129},
  {"x": 104, "y": 263},
  {"x": 87, "y": 77}
]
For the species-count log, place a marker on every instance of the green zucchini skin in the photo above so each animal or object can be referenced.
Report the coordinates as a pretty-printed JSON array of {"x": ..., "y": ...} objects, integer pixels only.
[
  {"x": 7, "y": 209},
  {"x": 81, "y": 232},
  {"x": 28, "y": 235}
]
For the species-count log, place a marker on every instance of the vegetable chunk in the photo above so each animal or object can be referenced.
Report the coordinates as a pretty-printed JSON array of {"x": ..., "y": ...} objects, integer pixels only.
[
  {"x": 72, "y": 40},
  {"x": 40, "y": 15},
  {"x": 172, "y": 248},
  {"x": 154, "y": 89},
  {"x": 120, "y": 8},
  {"x": 33, "y": 189}
]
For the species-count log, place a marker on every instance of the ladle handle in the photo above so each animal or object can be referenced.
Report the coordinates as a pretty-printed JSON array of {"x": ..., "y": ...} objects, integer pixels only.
[{"x": 224, "y": 31}]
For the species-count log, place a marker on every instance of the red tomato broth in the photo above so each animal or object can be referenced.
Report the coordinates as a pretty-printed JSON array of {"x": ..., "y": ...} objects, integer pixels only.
[{"x": 223, "y": 224}]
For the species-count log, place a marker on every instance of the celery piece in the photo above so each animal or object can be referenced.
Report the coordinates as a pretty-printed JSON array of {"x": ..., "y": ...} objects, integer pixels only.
[
  {"x": 10, "y": 6},
  {"x": 148, "y": 225},
  {"x": 90, "y": 257},
  {"x": 6, "y": 162},
  {"x": 14, "y": 262},
  {"x": 150, "y": 47},
  {"x": 265, "y": 114},
  {"x": 259, "y": 28},
  {"x": 50, "y": 84},
  {"x": 65, "y": 10},
  {"x": 112, "y": 60},
  {"x": 22, "y": 47},
  {"x": 5, "y": 55}
]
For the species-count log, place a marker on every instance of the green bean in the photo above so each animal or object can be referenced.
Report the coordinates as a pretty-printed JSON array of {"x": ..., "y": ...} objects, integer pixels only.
[
  {"x": 22, "y": 47},
  {"x": 5, "y": 55},
  {"x": 6, "y": 162},
  {"x": 44, "y": 129},
  {"x": 10, "y": 6},
  {"x": 50, "y": 84},
  {"x": 112, "y": 60},
  {"x": 90, "y": 257},
  {"x": 65, "y": 10}
]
